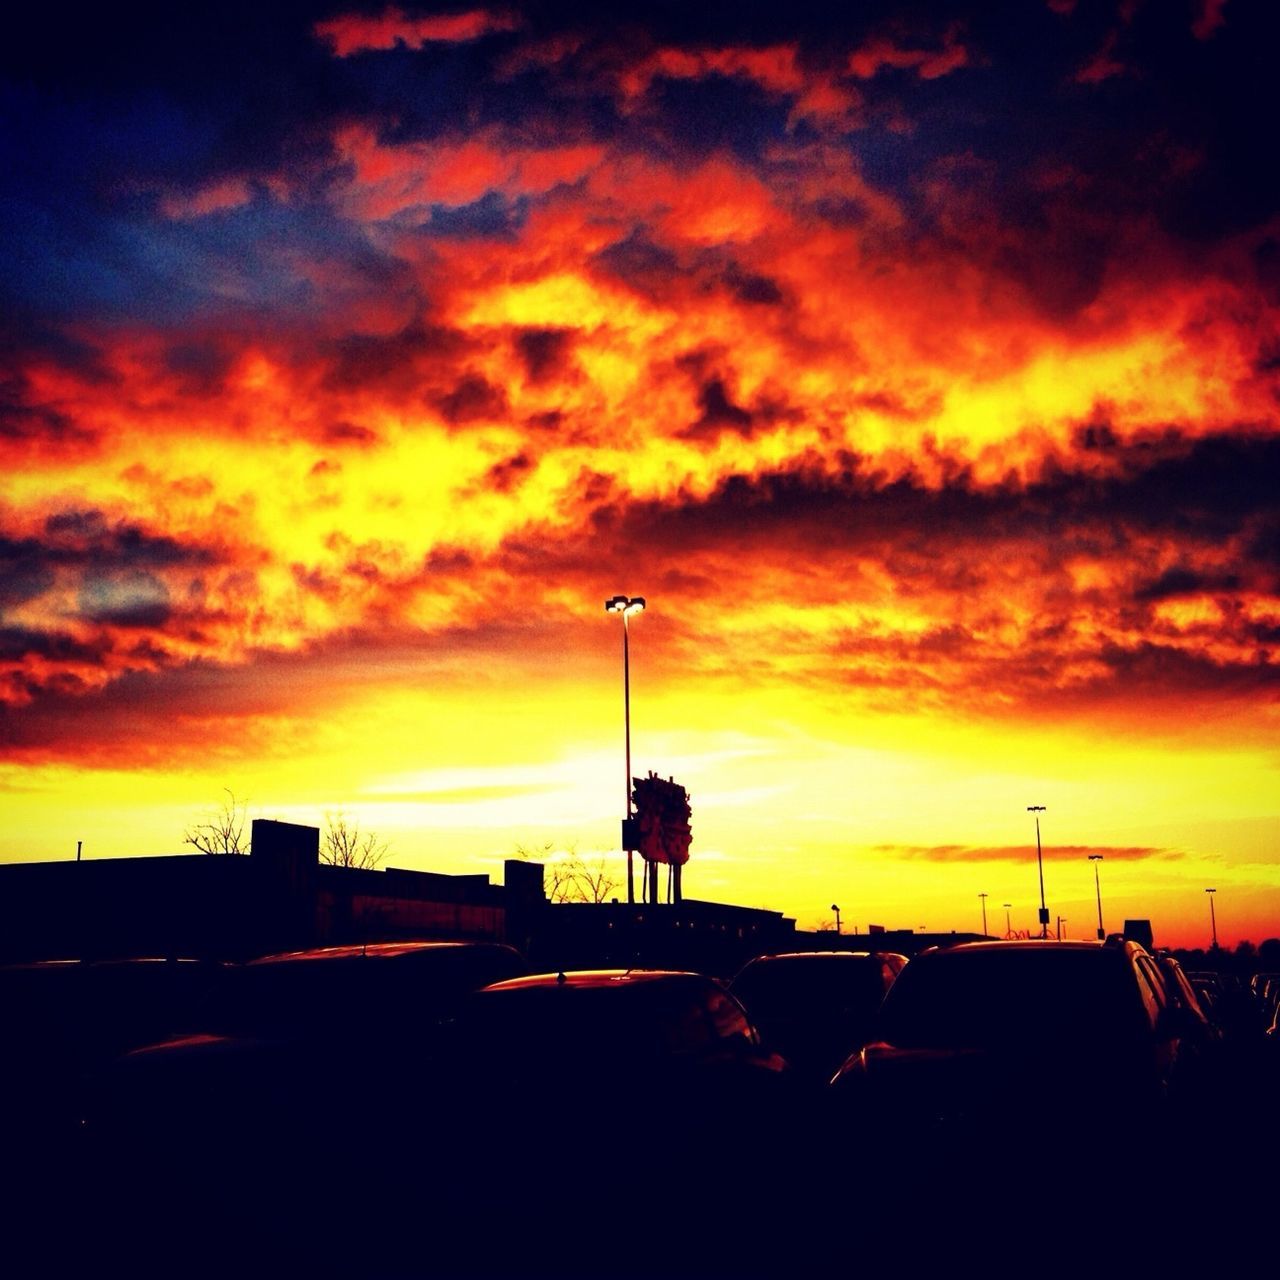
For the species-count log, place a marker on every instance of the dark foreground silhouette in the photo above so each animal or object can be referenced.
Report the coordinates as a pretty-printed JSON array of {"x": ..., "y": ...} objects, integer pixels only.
[{"x": 358, "y": 1112}]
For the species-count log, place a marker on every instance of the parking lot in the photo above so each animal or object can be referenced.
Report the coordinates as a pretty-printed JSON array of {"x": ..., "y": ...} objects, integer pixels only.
[{"x": 639, "y": 1123}]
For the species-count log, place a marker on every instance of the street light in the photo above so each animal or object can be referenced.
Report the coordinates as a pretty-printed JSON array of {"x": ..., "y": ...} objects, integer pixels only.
[
  {"x": 1096, "y": 858},
  {"x": 1213, "y": 919},
  {"x": 983, "y": 896},
  {"x": 837, "y": 911},
  {"x": 1038, "y": 809},
  {"x": 626, "y": 606},
  {"x": 1008, "y": 928}
]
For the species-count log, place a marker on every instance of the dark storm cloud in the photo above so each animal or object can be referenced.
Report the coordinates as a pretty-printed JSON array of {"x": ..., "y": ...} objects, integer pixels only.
[
  {"x": 114, "y": 565},
  {"x": 396, "y": 363},
  {"x": 1182, "y": 581},
  {"x": 472, "y": 397},
  {"x": 1207, "y": 489},
  {"x": 545, "y": 352}
]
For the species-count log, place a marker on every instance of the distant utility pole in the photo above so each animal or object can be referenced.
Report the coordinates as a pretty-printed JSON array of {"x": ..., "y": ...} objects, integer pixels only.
[
  {"x": 1213, "y": 918},
  {"x": 983, "y": 896},
  {"x": 1038, "y": 809},
  {"x": 1096, "y": 858}
]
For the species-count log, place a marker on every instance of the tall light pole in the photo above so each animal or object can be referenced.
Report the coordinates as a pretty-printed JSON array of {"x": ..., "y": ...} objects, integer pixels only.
[
  {"x": 1008, "y": 928},
  {"x": 983, "y": 896},
  {"x": 1213, "y": 919},
  {"x": 626, "y": 606},
  {"x": 1096, "y": 858},
  {"x": 1038, "y": 809},
  {"x": 837, "y": 911}
]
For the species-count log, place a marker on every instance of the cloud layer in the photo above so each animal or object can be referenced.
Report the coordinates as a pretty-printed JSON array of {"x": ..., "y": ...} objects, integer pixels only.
[{"x": 921, "y": 368}]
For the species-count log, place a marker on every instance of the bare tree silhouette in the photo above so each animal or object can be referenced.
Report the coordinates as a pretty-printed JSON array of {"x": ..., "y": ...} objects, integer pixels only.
[
  {"x": 223, "y": 833},
  {"x": 567, "y": 876},
  {"x": 343, "y": 844}
]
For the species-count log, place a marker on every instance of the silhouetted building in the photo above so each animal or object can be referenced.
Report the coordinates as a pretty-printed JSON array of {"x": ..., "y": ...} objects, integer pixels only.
[{"x": 281, "y": 897}]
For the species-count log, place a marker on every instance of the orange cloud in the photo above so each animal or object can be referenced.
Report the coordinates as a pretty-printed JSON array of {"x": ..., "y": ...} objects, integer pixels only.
[
  {"x": 228, "y": 194},
  {"x": 1018, "y": 853},
  {"x": 777, "y": 70},
  {"x": 929, "y": 64},
  {"x": 360, "y": 33}
]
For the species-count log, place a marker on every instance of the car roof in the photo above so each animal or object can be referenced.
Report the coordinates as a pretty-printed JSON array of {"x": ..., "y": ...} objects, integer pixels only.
[
  {"x": 374, "y": 951},
  {"x": 1026, "y": 944},
  {"x": 820, "y": 955},
  {"x": 584, "y": 979}
]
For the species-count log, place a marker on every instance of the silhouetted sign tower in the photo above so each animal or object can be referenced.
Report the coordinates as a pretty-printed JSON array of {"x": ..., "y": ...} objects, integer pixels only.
[{"x": 660, "y": 831}]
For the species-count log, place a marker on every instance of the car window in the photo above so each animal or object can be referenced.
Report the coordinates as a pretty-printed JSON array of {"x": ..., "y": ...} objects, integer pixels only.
[
  {"x": 1150, "y": 988},
  {"x": 728, "y": 1022},
  {"x": 982, "y": 998},
  {"x": 805, "y": 986}
]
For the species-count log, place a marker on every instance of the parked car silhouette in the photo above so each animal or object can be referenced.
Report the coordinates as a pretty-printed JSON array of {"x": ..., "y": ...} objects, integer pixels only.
[
  {"x": 287, "y": 1051},
  {"x": 591, "y": 1087},
  {"x": 1034, "y": 1029},
  {"x": 65, "y": 1019},
  {"x": 816, "y": 1007}
]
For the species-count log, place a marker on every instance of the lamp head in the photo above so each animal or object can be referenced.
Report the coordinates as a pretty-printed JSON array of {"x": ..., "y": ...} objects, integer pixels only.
[{"x": 624, "y": 605}]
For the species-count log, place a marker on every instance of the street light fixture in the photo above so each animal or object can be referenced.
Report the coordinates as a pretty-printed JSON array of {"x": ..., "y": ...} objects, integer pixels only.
[
  {"x": 983, "y": 896},
  {"x": 1008, "y": 928},
  {"x": 1096, "y": 858},
  {"x": 1038, "y": 809},
  {"x": 626, "y": 606},
  {"x": 1213, "y": 919},
  {"x": 837, "y": 911}
]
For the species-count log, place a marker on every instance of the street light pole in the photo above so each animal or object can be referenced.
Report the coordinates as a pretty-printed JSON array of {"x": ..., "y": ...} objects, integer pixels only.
[
  {"x": 1008, "y": 928},
  {"x": 1038, "y": 809},
  {"x": 1213, "y": 919},
  {"x": 983, "y": 896},
  {"x": 837, "y": 911},
  {"x": 626, "y": 607},
  {"x": 1096, "y": 858}
]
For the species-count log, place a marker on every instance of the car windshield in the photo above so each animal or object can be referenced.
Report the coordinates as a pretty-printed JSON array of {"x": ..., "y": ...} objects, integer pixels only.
[{"x": 1023, "y": 996}]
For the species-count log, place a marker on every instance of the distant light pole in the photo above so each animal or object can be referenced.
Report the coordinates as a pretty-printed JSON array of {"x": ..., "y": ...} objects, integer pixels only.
[
  {"x": 1038, "y": 809},
  {"x": 983, "y": 896},
  {"x": 1061, "y": 921},
  {"x": 1213, "y": 919},
  {"x": 837, "y": 911},
  {"x": 1096, "y": 858},
  {"x": 1008, "y": 928},
  {"x": 626, "y": 606}
]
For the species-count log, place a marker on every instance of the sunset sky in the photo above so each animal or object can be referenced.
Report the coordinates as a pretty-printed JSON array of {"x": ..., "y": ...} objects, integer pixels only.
[{"x": 920, "y": 365}]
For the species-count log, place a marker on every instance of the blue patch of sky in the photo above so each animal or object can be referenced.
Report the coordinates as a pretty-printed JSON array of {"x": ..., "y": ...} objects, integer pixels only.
[
  {"x": 136, "y": 264},
  {"x": 490, "y": 217},
  {"x": 716, "y": 115}
]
